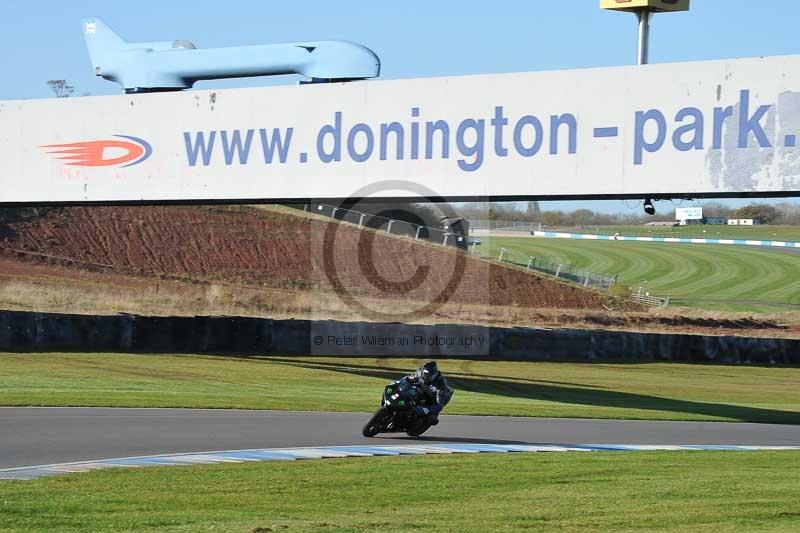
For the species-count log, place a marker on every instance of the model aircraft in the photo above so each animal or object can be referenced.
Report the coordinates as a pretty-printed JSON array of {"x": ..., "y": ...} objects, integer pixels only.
[{"x": 176, "y": 65}]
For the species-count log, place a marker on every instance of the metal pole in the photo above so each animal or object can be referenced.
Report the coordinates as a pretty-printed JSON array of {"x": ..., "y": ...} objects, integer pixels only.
[
  {"x": 416, "y": 237},
  {"x": 644, "y": 35}
]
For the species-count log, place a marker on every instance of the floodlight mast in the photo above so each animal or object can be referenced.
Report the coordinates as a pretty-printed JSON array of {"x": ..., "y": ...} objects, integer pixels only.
[
  {"x": 176, "y": 65},
  {"x": 644, "y": 35},
  {"x": 643, "y": 9}
]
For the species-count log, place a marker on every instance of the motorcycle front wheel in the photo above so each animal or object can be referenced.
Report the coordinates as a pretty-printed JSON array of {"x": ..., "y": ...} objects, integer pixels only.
[{"x": 377, "y": 423}]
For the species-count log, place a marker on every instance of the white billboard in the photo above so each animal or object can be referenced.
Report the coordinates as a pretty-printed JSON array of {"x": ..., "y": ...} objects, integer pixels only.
[
  {"x": 689, "y": 213},
  {"x": 684, "y": 129}
]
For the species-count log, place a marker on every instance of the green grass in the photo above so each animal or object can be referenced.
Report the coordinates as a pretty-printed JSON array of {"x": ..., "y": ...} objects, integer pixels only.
[
  {"x": 593, "y": 491},
  {"x": 771, "y": 233},
  {"x": 658, "y": 391},
  {"x": 714, "y": 277}
]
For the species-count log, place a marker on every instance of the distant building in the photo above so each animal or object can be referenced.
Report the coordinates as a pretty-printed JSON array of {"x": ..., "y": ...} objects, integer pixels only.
[
  {"x": 689, "y": 215},
  {"x": 667, "y": 224},
  {"x": 744, "y": 221}
]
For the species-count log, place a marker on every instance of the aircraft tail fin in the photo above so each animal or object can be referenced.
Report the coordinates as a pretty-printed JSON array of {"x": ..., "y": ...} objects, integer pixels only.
[{"x": 100, "y": 39}]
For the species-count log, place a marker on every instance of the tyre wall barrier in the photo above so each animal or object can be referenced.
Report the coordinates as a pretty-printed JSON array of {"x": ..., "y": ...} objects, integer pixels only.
[{"x": 42, "y": 332}]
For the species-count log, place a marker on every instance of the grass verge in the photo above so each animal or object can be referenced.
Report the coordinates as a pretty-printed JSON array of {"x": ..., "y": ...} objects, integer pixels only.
[
  {"x": 656, "y": 391},
  {"x": 705, "y": 276},
  {"x": 622, "y": 491}
]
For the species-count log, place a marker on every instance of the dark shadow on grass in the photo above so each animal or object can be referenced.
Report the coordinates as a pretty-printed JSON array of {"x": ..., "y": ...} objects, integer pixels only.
[
  {"x": 575, "y": 395},
  {"x": 400, "y": 371}
]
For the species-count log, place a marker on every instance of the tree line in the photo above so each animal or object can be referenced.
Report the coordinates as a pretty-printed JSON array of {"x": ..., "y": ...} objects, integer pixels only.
[{"x": 783, "y": 213}]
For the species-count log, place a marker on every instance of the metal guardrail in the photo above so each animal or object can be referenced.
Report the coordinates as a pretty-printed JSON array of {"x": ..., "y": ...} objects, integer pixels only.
[
  {"x": 560, "y": 270},
  {"x": 503, "y": 225},
  {"x": 392, "y": 226},
  {"x": 585, "y": 278}
]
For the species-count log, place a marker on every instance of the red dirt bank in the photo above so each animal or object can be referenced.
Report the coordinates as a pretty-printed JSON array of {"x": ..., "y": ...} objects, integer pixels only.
[{"x": 266, "y": 248}]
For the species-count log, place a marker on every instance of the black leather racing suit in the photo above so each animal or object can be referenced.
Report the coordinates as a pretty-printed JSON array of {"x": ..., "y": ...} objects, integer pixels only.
[{"x": 438, "y": 392}]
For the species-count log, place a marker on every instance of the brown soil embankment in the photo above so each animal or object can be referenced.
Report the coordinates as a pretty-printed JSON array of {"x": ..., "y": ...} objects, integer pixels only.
[
  {"x": 260, "y": 262},
  {"x": 263, "y": 248}
]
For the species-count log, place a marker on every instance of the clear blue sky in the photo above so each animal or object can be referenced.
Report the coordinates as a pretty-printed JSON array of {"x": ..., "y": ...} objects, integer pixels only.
[{"x": 42, "y": 40}]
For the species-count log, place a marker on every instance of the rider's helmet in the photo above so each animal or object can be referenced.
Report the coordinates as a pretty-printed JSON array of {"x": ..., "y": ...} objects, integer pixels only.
[{"x": 429, "y": 372}]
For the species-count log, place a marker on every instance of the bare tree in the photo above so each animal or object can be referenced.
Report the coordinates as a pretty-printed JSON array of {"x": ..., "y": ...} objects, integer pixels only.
[{"x": 61, "y": 88}]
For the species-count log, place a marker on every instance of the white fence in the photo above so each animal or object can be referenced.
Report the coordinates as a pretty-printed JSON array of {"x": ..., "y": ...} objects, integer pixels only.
[{"x": 645, "y": 298}]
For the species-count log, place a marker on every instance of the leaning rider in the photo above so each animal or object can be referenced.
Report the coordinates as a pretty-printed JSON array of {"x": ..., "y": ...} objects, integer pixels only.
[{"x": 435, "y": 386}]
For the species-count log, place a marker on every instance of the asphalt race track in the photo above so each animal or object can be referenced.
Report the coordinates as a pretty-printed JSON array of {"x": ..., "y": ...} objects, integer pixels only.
[{"x": 36, "y": 436}]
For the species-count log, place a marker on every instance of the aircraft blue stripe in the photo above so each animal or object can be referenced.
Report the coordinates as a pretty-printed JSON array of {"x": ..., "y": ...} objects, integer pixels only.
[{"x": 283, "y": 454}]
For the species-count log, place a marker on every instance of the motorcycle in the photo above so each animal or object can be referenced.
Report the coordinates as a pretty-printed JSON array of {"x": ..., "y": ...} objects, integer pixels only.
[{"x": 398, "y": 411}]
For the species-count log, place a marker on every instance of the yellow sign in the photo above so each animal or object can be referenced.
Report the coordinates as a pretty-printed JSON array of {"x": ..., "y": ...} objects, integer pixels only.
[{"x": 653, "y": 5}]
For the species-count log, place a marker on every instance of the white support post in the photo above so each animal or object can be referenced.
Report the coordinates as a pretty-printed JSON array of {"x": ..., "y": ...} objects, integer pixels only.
[
  {"x": 474, "y": 243},
  {"x": 502, "y": 252},
  {"x": 361, "y": 220},
  {"x": 444, "y": 242},
  {"x": 558, "y": 270},
  {"x": 333, "y": 213},
  {"x": 389, "y": 228},
  {"x": 530, "y": 261},
  {"x": 416, "y": 237}
]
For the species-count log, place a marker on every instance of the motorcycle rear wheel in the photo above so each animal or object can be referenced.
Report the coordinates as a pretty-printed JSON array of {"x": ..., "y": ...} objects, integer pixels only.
[{"x": 377, "y": 423}]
